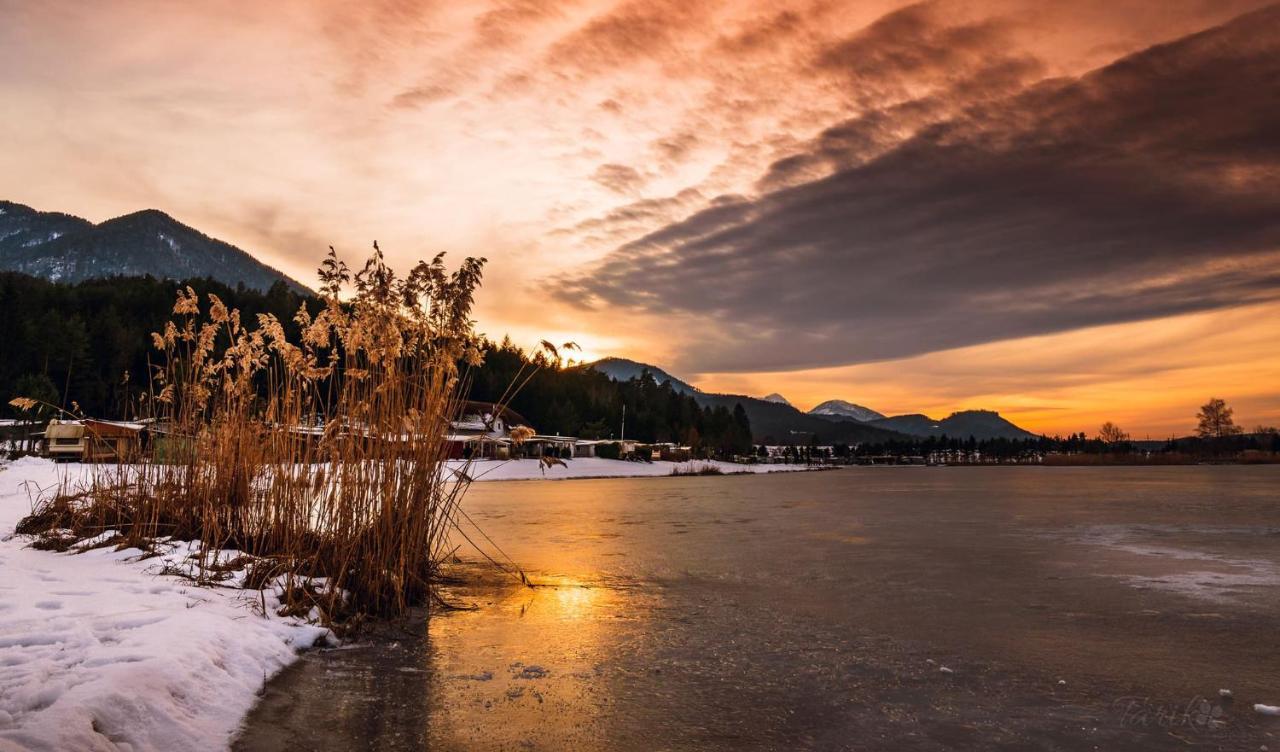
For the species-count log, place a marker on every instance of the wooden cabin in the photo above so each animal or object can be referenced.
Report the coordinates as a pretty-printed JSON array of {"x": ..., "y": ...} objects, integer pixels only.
[{"x": 112, "y": 441}]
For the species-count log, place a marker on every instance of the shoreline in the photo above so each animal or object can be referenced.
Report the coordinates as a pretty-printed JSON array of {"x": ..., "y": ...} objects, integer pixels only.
[
  {"x": 82, "y": 631},
  {"x": 596, "y": 468},
  {"x": 105, "y": 648}
]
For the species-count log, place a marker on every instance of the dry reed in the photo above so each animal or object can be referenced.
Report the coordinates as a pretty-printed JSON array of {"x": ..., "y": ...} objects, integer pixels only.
[{"x": 321, "y": 459}]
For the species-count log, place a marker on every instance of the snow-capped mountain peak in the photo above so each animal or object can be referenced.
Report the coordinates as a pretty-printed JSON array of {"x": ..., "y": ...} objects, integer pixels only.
[
  {"x": 778, "y": 398},
  {"x": 842, "y": 409},
  {"x": 63, "y": 248}
]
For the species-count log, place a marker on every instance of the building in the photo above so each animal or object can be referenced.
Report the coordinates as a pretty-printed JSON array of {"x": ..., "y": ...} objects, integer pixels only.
[
  {"x": 93, "y": 440},
  {"x": 483, "y": 431},
  {"x": 548, "y": 446},
  {"x": 666, "y": 451},
  {"x": 63, "y": 440},
  {"x": 112, "y": 441},
  {"x": 586, "y": 447},
  {"x": 675, "y": 453}
]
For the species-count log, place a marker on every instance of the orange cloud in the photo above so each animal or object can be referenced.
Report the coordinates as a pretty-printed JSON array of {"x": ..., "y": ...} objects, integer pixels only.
[
  {"x": 1149, "y": 377},
  {"x": 544, "y": 135}
]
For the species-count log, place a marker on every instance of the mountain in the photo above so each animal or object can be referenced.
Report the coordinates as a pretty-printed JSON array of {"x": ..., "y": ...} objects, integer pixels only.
[
  {"x": 63, "y": 248},
  {"x": 774, "y": 420},
  {"x": 914, "y": 424},
  {"x": 980, "y": 424},
  {"x": 771, "y": 421},
  {"x": 778, "y": 423},
  {"x": 621, "y": 369},
  {"x": 840, "y": 409}
]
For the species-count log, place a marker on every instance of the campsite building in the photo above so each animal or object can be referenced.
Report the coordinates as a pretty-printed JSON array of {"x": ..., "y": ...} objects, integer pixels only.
[
  {"x": 92, "y": 440},
  {"x": 483, "y": 431}
]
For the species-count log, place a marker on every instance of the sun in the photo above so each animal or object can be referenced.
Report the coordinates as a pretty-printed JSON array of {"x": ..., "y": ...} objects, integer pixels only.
[
  {"x": 583, "y": 354},
  {"x": 588, "y": 348}
]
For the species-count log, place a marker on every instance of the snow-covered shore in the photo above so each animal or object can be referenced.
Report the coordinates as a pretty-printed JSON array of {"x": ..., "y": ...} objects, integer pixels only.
[
  {"x": 100, "y": 651},
  {"x": 595, "y": 467}
]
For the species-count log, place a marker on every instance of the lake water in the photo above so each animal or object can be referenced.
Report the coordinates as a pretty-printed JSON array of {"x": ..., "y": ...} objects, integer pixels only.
[{"x": 1072, "y": 608}]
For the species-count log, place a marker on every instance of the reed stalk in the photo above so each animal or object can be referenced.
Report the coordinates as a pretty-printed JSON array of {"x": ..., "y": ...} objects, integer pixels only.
[{"x": 322, "y": 459}]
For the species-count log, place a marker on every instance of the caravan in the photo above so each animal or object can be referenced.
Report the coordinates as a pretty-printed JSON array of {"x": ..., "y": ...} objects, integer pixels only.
[{"x": 64, "y": 440}]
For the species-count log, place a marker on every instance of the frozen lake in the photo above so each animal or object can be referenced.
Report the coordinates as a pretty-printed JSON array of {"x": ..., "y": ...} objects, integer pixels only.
[{"x": 818, "y": 611}]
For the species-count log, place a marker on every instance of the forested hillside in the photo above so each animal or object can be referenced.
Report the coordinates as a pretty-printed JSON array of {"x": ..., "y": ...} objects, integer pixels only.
[
  {"x": 589, "y": 404},
  {"x": 90, "y": 343}
]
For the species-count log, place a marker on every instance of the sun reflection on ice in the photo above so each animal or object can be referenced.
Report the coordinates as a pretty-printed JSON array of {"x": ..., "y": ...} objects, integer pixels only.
[
  {"x": 531, "y": 665},
  {"x": 573, "y": 599}
]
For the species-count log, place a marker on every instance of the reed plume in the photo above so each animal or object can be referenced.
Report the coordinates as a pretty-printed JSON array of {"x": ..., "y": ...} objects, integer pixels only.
[{"x": 322, "y": 457}]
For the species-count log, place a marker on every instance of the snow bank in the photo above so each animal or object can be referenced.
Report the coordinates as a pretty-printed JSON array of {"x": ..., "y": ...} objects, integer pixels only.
[
  {"x": 596, "y": 467},
  {"x": 99, "y": 652}
]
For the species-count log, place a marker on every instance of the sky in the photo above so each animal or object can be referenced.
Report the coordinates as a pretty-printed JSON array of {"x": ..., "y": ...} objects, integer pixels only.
[{"x": 1067, "y": 212}]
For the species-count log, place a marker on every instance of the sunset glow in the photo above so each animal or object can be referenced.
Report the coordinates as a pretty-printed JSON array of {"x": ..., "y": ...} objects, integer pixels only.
[{"x": 918, "y": 208}]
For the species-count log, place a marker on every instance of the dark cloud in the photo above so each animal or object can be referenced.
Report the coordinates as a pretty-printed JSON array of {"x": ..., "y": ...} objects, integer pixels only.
[
  {"x": 1150, "y": 187},
  {"x": 421, "y": 95},
  {"x": 672, "y": 150},
  {"x": 877, "y": 130},
  {"x": 627, "y": 221},
  {"x": 893, "y": 57},
  {"x": 631, "y": 32},
  {"x": 908, "y": 70},
  {"x": 618, "y": 178},
  {"x": 507, "y": 21},
  {"x": 765, "y": 34}
]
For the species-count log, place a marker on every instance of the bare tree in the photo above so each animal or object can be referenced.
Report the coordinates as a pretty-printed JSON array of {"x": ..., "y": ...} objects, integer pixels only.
[
  {"x": 1111, "y": 434},
  {"x": 1215, "y": 420}
]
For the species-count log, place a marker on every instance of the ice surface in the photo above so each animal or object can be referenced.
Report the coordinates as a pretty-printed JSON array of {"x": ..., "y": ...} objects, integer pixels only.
[{"x": 98, "y": 651}]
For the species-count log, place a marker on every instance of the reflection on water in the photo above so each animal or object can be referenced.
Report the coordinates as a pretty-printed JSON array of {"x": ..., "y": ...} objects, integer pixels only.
[
  {"x": 501, "y": 689},
  {"x": 814, "y": 611},
  {"x": 521, "y": 670}
]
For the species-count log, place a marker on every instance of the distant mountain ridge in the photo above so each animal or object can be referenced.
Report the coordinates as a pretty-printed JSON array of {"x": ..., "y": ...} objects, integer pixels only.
[
  {"x": 778, "y": 398},
  {"x": 622, "y": 369},
  {"x": 980, "y": 424},
  {"x": 64, "y": 248},
  {"x": 770, "y": 420},
  {"x": 779, "y": 422}
]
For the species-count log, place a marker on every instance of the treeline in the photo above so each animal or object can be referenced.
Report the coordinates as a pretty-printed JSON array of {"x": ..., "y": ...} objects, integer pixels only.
[
  {"x": 1266, "y": 440},
  {"x": 998, "y": 448},
  {"x": 582, "y": 402},
  {"x": 90, "y": 343},
  {"x": 1261, "y": 441},
  {"x": 1002, "y": 449}
]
